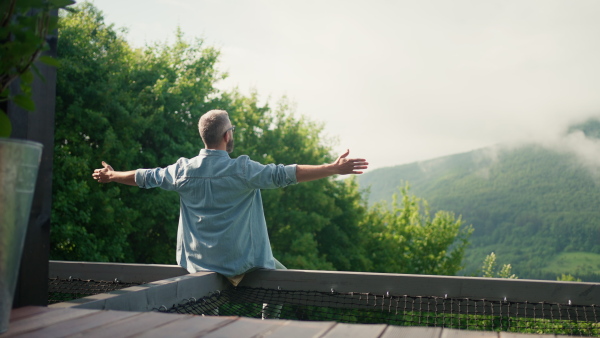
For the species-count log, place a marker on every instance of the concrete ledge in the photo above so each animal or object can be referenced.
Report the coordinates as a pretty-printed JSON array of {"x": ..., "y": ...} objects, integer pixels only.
[
  {"x": 170, "y": 291},
  {"x": 153, "y": 295},
  {"x": 128, "y": 273},
  {"x": 495, "y": 289}
]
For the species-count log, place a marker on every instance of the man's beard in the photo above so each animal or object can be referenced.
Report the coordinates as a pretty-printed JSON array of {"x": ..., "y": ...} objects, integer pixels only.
[{"x": 229, "y": 146}]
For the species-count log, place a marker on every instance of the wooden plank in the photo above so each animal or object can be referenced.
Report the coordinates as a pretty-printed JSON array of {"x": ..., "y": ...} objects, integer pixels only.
[
  {"x": 74, "y": 326},
  {"x": 412, "y": 331},
  {"x": 455, "y": 333},
  {"x": 138, "y": 324},
  {"x": 247, "y": 327},
  {"x": 43, "y": 319},
  {"x": 45, "y": 322},
  {"x": 298, "y": 329},
  {"x": 189, "y": 327},
  {"x": 356, "y": 330},
  {"x": 26, "y": 311}
]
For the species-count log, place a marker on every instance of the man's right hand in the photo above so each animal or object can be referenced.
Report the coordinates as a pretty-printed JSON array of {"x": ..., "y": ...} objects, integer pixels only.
[
  {"x": 103, "y": 175},
  {"x": 342, "y": 166},
  {"x": 345, "y": 165},
  {"x": 108, "y": 174}
]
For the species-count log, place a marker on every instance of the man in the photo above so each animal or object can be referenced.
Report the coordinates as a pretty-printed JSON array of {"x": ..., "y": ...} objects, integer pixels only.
[{"x": 222, "y": 226}]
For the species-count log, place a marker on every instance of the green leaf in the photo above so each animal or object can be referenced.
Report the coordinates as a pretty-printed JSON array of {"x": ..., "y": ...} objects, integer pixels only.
[
  {"x": 4, "y": 32},
  {"x": 27, "y": 77},
  {"x": 61, "y": 3},
  {"x": 24, "y": 102},
  {"x": 37, "y": 72},
  {"x": 5, "y": 125},
  {"x": 5, "y": 94},
  {"x": 29, "y": 3},
  {"x": 25, "y": 89},
  {"x": 52, "y": 23},
  {"x": 50, "y": 61},
  {"x": 4, "y": 5}
]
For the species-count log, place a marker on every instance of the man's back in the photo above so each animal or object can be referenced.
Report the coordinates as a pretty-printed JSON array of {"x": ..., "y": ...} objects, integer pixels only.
[{"x": 222, "y": 226}]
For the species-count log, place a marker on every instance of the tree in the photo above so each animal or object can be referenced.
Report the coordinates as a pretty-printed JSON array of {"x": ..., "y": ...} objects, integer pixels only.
[
  {"x": 90, "y": 222},
  {"x": 134, "y": 108},
  {"x": 568, "y": 278},
  {"x": 490, "y": 270},
  {"x": 405, "y": 240}
]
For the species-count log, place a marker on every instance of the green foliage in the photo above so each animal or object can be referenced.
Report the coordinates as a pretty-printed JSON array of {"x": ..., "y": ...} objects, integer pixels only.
[
  {"x": 527, "y": 204},
  {"x": 406, "y": 240},
  {"x": 573, "y": 263},
  {"x": 5, "y": 125},
  {"x": 24, "y": 26},
  {"x": 133, "y": 108},
  {"x": 567, "y": 278},
  {"x": 490, "y": 270}
]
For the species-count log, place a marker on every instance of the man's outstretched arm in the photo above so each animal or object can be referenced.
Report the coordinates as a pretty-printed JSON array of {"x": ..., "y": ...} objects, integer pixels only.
[
  {"x": 108, "y": 174},
  {"x": 341, "y": 166}
]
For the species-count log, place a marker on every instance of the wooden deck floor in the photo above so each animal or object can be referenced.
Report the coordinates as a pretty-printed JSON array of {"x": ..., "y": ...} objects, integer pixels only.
[{"x": 56, "y": 322}]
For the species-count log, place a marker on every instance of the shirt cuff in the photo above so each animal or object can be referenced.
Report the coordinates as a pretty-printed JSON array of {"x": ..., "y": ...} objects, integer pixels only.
[
  {"x": 140, "y": 177},
  {"x": 290, "y": 173}
]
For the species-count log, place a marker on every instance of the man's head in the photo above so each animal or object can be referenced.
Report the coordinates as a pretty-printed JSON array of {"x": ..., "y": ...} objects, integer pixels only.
[{"x": 215, "y": 128}]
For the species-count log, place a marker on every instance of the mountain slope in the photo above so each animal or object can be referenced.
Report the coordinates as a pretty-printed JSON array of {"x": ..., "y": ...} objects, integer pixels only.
[{"x": 528, "y": 204}]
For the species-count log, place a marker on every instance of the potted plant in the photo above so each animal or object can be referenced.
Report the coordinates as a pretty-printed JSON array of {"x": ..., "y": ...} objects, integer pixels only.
[{"x": 24, "y": 26}]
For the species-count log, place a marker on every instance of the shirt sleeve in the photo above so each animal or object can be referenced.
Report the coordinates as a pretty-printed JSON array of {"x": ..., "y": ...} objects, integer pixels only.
[
  {"x": 165, "y": 178},
  {"x": 270, "y": 176}
]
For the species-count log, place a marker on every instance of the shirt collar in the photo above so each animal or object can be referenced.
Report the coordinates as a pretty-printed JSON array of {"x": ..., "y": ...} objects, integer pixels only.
[{"x": 213, "y": 152}]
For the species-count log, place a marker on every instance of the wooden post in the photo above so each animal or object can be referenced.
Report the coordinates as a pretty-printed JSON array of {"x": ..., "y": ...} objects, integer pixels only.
[{"x": 32, "y": 287}]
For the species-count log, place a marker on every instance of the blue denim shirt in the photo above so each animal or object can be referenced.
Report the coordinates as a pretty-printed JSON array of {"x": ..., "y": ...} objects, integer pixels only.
[{"x": 222, "y": 225}]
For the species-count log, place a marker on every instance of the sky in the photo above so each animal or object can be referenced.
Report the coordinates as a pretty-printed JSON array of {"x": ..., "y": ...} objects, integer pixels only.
[{"x": 398, "y": 81}]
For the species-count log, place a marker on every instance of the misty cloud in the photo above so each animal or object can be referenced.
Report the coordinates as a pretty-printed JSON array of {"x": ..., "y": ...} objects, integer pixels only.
[{"x": 585, "y": 149}]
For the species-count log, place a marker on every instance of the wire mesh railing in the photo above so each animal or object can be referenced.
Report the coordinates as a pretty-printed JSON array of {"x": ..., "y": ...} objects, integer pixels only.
[
  {"x": 402, "y": 310},
  {"x": 542, "y": 307},
  {"x": 63, "y": 290}
]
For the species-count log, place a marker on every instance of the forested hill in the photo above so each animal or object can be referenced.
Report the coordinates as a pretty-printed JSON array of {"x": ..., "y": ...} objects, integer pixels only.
[{"x": 536, "y": 208}]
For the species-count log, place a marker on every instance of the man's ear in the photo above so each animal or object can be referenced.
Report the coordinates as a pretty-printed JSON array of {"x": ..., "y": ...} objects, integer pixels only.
[{"x": 226, "y": 137}]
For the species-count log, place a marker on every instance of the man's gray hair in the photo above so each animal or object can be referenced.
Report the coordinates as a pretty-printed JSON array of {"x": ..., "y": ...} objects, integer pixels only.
[{"x": 212, "y": 126}]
